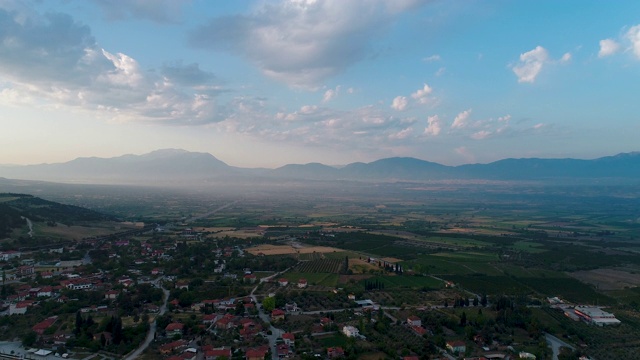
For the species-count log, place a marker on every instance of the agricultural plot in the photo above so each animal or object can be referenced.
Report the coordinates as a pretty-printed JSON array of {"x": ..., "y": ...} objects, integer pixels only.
[
  {"x": 321, "y": 279},
  {"x": 321, "y": 266},
  {"x": 412, "y": 282}
]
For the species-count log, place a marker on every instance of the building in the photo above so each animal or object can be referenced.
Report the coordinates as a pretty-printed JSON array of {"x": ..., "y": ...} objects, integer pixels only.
[
  {"x": 216, "y": 353},
  {"x": 456, "y": 346},
  {"x": 414, "y": 321},
  {"x": 335, "y": 352},
  {"x": 283, "y": 282},
  {"x": 302, "y": 283},
  {"x": 350, "y": 331},
  {"x": 174, "y": 329},
  {"x": 277, "y": 314},
  {"x": 595, "y": 315},
  {"x": 40, "y": 327},
  {"x": 289, "y": 339},
  {"x": 257, "y": 353}
]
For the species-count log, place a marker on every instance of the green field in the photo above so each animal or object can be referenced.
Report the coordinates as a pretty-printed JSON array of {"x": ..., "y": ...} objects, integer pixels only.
[
  {"x": 322, "y": 279},
  {"x": 412, "y": 282}
]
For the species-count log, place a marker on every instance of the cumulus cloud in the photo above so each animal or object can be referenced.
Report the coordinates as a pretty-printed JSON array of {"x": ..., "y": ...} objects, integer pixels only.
[
  {"x": 399, "y": 103},
  {"x": 608, "y": 47},
  {"x": 531, "y": 63},
  {"x": 421, "y": 95},
  {"x": 54, "y": 60},
  {"x": 434, "y": 126},
  {"x": 161, "y": 11},
  {"x": 633, "y": 36},
  {"x": 302, "y": 42},
  {"x": 332, "y": 93},
  {"x": 460, "y": 120}
]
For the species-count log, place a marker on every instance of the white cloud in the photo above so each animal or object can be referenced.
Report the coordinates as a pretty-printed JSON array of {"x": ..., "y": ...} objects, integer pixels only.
[
  {"x": 460, "y": 120},
  {"x": 434, "y": 126},
  {"x": 441, "y": 71},
  {"x": 402, "y": 134},
  {"x": 399, "y": 103},
  {"x": 330, "y": 94},
  {"x": 302, "y": 43},
  {"x": 54, "y": 61},
  {"x": 482, "y": 134},
  {"x": 505, "y": 118},
  {"x": 421, "y": 95},
  {"x": 531, "y": 63},
  {"x": 431, "y": 58},
  {"x": 633, "y": 36},
  {"x": 565, "y": 58},
  {"x": 608, "y": 47}
]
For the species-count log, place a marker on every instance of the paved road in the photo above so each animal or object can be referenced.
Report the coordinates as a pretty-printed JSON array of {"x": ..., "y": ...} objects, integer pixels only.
[
  {"x": 152, "y": 328},
  {"x": 275, "y": 332},
  {"x": 556, "y": 344}
]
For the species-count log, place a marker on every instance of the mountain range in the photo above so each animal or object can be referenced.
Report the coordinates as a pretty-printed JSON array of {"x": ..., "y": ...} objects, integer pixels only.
[{"x": 173, "y": 166}]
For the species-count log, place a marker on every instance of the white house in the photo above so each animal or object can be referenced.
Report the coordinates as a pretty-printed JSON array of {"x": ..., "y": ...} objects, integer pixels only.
[{"x": 350, "y": 331}]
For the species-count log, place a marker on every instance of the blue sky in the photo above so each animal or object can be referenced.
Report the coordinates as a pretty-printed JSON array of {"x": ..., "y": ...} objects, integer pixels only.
[{"x": 266, "y": 83}]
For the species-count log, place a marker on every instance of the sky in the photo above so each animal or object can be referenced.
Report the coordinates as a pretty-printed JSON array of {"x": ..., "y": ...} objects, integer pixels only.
[{"x": 266, "y": 83}]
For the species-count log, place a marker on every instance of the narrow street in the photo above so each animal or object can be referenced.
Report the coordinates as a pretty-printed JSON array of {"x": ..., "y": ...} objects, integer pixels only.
[{"x": 152, "y": 327}]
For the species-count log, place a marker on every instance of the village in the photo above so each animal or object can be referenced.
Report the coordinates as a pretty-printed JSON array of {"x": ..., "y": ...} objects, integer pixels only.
[{"x": 194, "y": 298}]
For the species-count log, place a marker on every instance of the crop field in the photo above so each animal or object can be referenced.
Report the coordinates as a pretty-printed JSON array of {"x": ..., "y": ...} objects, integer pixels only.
[
  {"x": 321, "y": 266},
  {"x": 322, "y": 279},
  {"x": 288, "y": 249},
  {"x": 412, "y": 282}
]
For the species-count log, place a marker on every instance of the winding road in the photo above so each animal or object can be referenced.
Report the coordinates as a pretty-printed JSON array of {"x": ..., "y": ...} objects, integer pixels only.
[{"x": 152, "y": 328}]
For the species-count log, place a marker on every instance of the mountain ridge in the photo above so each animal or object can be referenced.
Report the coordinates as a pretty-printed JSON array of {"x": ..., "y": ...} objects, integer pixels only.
[{"x": 181, "y": 166}]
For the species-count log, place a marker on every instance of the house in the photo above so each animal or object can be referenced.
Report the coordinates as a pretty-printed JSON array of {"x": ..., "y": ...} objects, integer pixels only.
[
  {"x": 325, "y": 321},
  {"x": 289, "y": 339},
  {"x": 283, "y": 351},
  {"x": 277, "y": 314},
  {"x": 40, "y": 327},
  {"x": 213, "y": 354},
  {"x": 25, "y": 270},
  {"x": 250, "y": 278},
  {"x": 20, "y": 308},
  {"x": 350, "y": 331},
  {"x": 302, "y": 283},
  {"x": 9, "y": 254},
  {"x": 209, "y": 318},
  {"x": 182, "y": 284},
  {"x": 456, "y": 346},
  {"x": 335, "y": 352},
  {"x": 173, "y": 346},
  {"x": 283, "y": 282},
  {"x": 419, "y": 330},
  {"x": 257, "y": 353},
  {"x": 226, "y": 322},
  {"x": 351, "y": 297},
  {"x": 111, "y": 294},
  {"x": 174, "y": 329},
  {"x": 45, "y": 291},
  {"x": 414, "y": 321}
]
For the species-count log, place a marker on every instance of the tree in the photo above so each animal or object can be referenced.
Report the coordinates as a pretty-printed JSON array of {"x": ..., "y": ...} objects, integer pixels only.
[
  {"x": 269, "y": 303},
  {"x": 475, "y": 301},
  {"x": 463, "y": 319},
  {"x": 483, "y": 301},
  {"x": 29, "y": 339}
]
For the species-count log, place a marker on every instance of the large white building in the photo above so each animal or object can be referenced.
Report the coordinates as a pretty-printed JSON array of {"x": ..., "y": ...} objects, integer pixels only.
[{"x": 595, "y": 315}]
